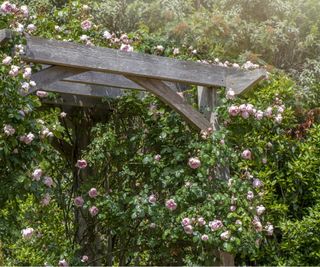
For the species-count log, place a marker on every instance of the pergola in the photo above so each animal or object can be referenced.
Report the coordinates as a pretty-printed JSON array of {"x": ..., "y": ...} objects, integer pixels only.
[{"x": 85, "y": 74}]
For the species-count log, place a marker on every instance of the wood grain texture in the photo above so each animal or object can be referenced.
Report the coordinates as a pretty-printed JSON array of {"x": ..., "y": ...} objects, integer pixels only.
[
  {"x": 83, "y": 89},
  {"x": 100, "y": 59},
  {"x": 50, "y": 75},
  {"x": 75, "y": 101},
  {"x": 175, "y": 101},
  {"x": 242, "y": 81}
]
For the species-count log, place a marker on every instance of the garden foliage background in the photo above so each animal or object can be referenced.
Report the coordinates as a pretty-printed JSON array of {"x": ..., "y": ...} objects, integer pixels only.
[{"x": 148, "y": 203}]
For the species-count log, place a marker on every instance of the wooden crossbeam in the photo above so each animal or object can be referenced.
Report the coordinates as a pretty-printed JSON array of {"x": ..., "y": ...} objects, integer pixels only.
[
  {"x": 68, "y": 54},
  {"x": 50, "y": 75},
  {"x": 75, "y": 101},
  {"x": 83, "y": 89},
  {"x": 175, "y": 101},
  {"x": 5, "y": 35}
]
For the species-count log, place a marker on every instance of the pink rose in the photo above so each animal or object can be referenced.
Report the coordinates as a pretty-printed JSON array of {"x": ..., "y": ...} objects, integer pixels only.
[
  {"x": 259, "y": 115},
  {"x": 194, "y": 163},
  {"x": 260, "y": 209},
  {"x": 78, "y": 201},
  {"x": 269, "y": 228},
  {"x": 152, "y": 199},
  {"x": 278, "y": 118},
  {"x": 93, "y": 192},
  {"x": 86, "y": 25},
  {"x": 186, "y": 221},
  {"x": 215, "y": 225},
  {"x": 25, "y": 11},
  {"x": 233, "y": 208},
  {"x": 7, "y": 7},
  {"x": 257, "y": 224},
  {"x": 233, "y": 111},
  {"x": 250, "y": 195},
  {"x": 204, "y": 237},
  {"x": 48, "y": 181},
  {"x": 230, "y": 94},
  {"x": 36, "y": 175},
  {"x": 93, "y": 211},
  {"x": 8, "y": 130},
  {"x": 152, "y": 225},
  {"x": 14, "y": 71},
  {"x": 81, "y": 163},
  {"x": 188, "y": 229},
  {"x": 63, "y": 263},
  {"x": 31, "y": 27},
  {"x": 7, "y": 60},
  {"x": 246, "y": 154},
  {"x": 63, "y": 115},
  {"x": 268, "y": 112},
  {"x": 46, "y": 200},
  {"x": 245, "y": 114},
  {"x": 225, "y": 235},
  {"x": 257, "y": 183},
  {"x": 27, "y": 233},
  {"x": 84, "y": 258},
  {"x": 126, "y": 48},
  {"x": 201, "y": 221},
  {"x": 171, "y": 204},
  {"x": 157, "y": 157},
  {"x": 107, "y": 35},
  {"x": 264, "y": 161},
  {"x": 42, "y": 94}
]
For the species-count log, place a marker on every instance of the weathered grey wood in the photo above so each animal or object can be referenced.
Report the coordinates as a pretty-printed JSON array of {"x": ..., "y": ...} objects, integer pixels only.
[
  {"x": 83, "y": 89},
  {"x": 175, "y": 101},
  {"x": 109, "y": 79},
  {"x": 243, "y": 81},
  {"x": 5, "y": 35},
  {"x": 53, "y": 52},
  {"x": 75, "y": 101},
  {"x": 207, "y": 101},
  {"x": 51, "y": 75}
]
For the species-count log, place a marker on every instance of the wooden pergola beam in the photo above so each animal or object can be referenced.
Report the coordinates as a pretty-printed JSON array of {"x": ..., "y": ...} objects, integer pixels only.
[
  {"x": 75, "y": 101},
  {"x": 39, "y": 50},
  {"x": 161, "y": 90},
  {"x": 5, "y": 36}
]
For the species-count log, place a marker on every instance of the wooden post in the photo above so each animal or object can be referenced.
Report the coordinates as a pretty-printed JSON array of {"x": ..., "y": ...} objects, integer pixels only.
[{"x": 208, "y": 101}]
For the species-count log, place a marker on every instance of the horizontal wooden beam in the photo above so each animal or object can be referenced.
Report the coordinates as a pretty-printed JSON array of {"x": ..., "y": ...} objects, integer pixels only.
[
  {"x": 100, "y": 59},
  {"x": 176, "y": 102},
  {"x": 75, "y": 101},
  {"x": 83, "y": 89}
]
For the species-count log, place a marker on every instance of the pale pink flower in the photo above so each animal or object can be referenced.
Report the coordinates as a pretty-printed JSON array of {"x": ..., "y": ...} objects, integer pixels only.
[
  {"x": 152, "y": 199},
  {"x": 63, "y": 115},
  {"x": 185, "y": 221},
  {"x": 269, "y": 228},
  {"x": 86, "y": 25},
  {"x": 250, "y": 195},
  {"x": 238, "y": 222},
  {"x": 42, "y": 94},
  {"x": 124, "y": 38},
  {"x": 8, "y": 130},
  {"x": 233, "y": 110},
  {"x": 57, "y": 28},
  {"x": 47, "y": 180},
  {"x": 84, "y": 258},
  {"x": 250, "y": 108},
  {"x": 157, "y": 157},
  {"x": 7, "y": 60},
  {"x": 93, "y": 211},
  {"x": 20, "y": 27},
  {"x": 81, "y": 163},
  {"x": 243, "y": 107},
  {"x": 32, "y": 83},
  {"x": 6, "y": 7},
  {"x": 201, "y": 221},
  {"x": 27, "y": 139},
  {"x": 78, "y": 201},
  {"x": 176, "y": 51},
  {"x": 230, "y": 94},
  {"x": 27, "y": 233},
  {"x": 63, "y": 263},
  {"x": 225, "y": 235},
  {"x": 171, "y": 204},
  {"x": 46, "y": 200},
  {"x": 233, "y": 208},
  {"x": 204, "y": 237},
  {"x": 152, "y": 225},
  {"x": 84, "y": 37},
  {"x": 268, "y": 112},
  {"x": 126, "y": 48},
  {"x": 245, "y": 114},
  {"x": 188, "y": 229},
  {"x": 281, "y": 109},
  {"x": 25, "y": 86},
  {"x": 25, "y": 11},
  {"x": 259, "y": 115},
  {"x": 257, "y": 224},
  {"x": 107, "y": 35},
  {"x": 36, "y": 175},
  {"x": 194, "y": 51},
  {"x": 93, "y": 193},
  {"x": 257, "y": 183},
  {"x": 14, "y": 71},
  {"x": 31, "y": 27},
  {"x": 160, "y": 48},
  {"x": 278, "y": 118},
  {"x": 260, "y": 210},
  {"x": 264, "y": 160},
  {"x": 246, "y": 154},
  {"x": 215, "y": 225},
  {"x": 194, "y": 163}
]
